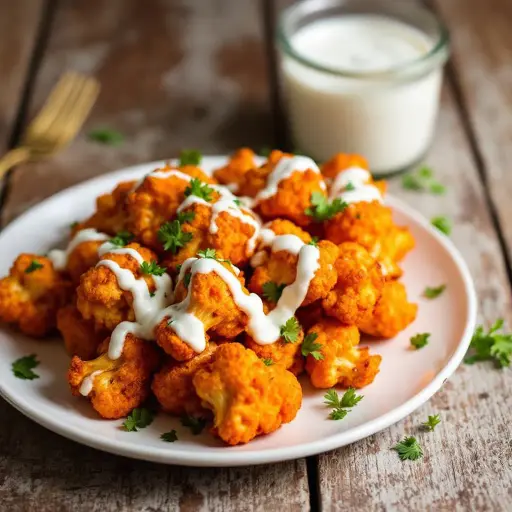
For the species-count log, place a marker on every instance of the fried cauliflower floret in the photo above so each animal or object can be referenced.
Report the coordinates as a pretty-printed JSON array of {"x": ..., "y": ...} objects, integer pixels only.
[
  {"x": 110, "y": 216},
  {"x": 247, "y": 398},
  {"x": 286, "y": 227},
  {"x": 173, "y": 388},
  {"x": 358, "y": 286},
  {"x": 99, "y": 296},
  {"x": 156, "y": 200},
  {"x": 31, "y": 295},
  {"x": 392, "y": 314},
  {"x": 233, "y": 173},
  {"x": 281, "y": 268},
  {"x": 310, "y": 315},
  {"x": 123, "y": 383},
  {"x": 83, "y": 257},
  {"x": 371, "y": 225},
  {"x": 343, "y": 363},
  {"x": 212, "y": 303},
  {"x": 80, "y": 337}
]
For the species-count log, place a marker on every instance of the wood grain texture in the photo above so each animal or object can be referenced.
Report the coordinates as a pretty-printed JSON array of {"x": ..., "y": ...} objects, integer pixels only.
[
  {"x": 174, "y": 74},
  {"x": 467, "y": 463}
]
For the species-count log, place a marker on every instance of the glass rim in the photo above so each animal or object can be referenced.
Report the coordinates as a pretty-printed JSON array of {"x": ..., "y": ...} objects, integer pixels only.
[{"x": 438, "y": 52}]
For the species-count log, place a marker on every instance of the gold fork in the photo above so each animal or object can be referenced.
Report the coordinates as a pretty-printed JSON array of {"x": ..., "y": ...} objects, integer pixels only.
[{"x": 57, "y": 123}]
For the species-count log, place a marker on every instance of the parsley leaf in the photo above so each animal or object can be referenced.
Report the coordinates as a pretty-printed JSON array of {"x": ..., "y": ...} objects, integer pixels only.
[
  {"x": 409, "y": 449},
  {"x": 268, "y": 362},
  {"x": 34, "y": 265},
  {"x": 310, "y": 348},
  {"x": 272, "y": 291},
  {"x": 313, "y": 242},
  {"x": 492, "y": 346},
  {"x": 420, "y": 340},
  {"x": 290, "y": 330},
  {"x": 169, "y": 437},
  {"x": 207, "y": 253},
  {"x": 138, "y": 418},
  {"x": 321, "y": 209},
  {"x": 425, "y": 173},
  {"x": 422, "y": 181},
  {"x": 338, "y": 414},
  {"x": 432, "y": 293},
  {"x": 152, "y": 268},
  {"x": 183, "y": 217},
  {"x": 195, "y": 424},
  {"x": 350, "y": 186},
  {"x": 122, "y": 238},
  {"x": 197, "y": 188},
  {"x": 186, "y": 279},
  {"x": 350, "y": 399},
  {"x": 431, "y": 423},
  {"x": 22, "y": 367},
  {"x": 190, "y": 157},
  {"x": 437, "y": 188},
  {"x": 172, "y": 237},
  {"x": 340, "y": 407},
  {"x": 443, "y": 224},
  {"x": 106, "y": 136},
  {"x": 237, "y": 202},
  {"x": 412, "y": 182}
]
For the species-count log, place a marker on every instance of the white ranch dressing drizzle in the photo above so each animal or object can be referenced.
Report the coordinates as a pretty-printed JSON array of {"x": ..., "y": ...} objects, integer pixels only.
[
  {"x": 363, "y": 191},
  {"x": 87, "y": 383},
  {"x": 286, "y": 166},
  {"x": 60, "y": 257}
]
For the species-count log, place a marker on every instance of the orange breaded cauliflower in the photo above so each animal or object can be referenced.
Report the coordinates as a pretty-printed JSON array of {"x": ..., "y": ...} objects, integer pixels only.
[
  {"x": 80, "y": 337},
  {"x": 343, "y": 362},
  {"x": 83, "y": 257},
  {"x": 293, "y": 195},
  {"x": 371, "y": 225},
  {"x": 358, "y": 286},
  {"x": 173, "y": 388},
  {"x": 310, "y": 315},
  {"x": 156, "y": 200},
  {"x": 247, "y": 398},
  {"x": 392, "y": 314},
  {"x": 122, "y": 384},
  {"x": 212, "y": 303},
  {"x": 99, "y": 296},
  {"x": 31, "y": 295},
  {"x": 281, "y": 268},
  {"x": 233, "y": 173}
]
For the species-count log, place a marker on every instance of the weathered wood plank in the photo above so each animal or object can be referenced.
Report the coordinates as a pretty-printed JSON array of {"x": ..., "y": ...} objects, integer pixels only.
[
  {"x": 467, "y": 459},
  {"x": 174, "y": 74}
]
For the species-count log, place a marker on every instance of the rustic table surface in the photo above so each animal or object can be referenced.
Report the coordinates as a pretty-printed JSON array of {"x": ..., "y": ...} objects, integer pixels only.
[{"x": 200, "y": 73}]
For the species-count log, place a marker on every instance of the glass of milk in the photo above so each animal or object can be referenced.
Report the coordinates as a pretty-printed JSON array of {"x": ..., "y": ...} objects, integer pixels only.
[{"x": 362, "y": 76}]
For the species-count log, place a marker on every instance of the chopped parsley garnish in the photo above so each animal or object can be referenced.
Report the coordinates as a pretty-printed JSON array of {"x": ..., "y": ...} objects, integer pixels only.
[
  {"x": 422, "y": 181},
  {"x": 350, "y": 186},
  {"x": 313, "y": 242},
  {"x": 431, "y": 423},
  {"x": 340, "y": 407},
  {"x": 172, "y": 237},
  {"x": 409, "y": 449},
  {"x": 237, "y": 202},
  {"x": 420, "y": 340},
  {"x": 138, "y": 418},
  {"x": 169, "y": 437},
  {"x": 437, "y": 188},
  {"x": 152, "y": 268},
  {"x": 152, "y": 294},
  {"x": 106, "y": 136},
  {"x": 268, "y": 362},
  {"x": 310, "y": 348},
  {"x": 491, "y": 346},
  {"x": 272, "y": 291},
  {"x": 290, "y": 330},
  {"x": 34, "y": 265},
  {"x": 443, "y": 224},
  {"x": 195, "y": 424},
  {"x": 22, "y": 367},
  {"x": 183, "y": 217},
  {"x": 190, "y": 157},
  {"x": 321, "y": 209},
  {"x": 434, "y": 292},
  {"x": 186, "y": 279},
  {"x": 197, "y": 188},
  {"x": 208, "y": 253},
  {"x": 122, "y": 238}
]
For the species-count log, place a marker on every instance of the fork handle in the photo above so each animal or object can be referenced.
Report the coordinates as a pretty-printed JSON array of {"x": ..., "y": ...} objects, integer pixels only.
[{"x": 12, "y": 158}]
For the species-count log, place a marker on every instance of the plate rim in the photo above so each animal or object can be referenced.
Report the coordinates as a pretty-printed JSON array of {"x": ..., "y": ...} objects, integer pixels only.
[{"x": 227, "y": 458}]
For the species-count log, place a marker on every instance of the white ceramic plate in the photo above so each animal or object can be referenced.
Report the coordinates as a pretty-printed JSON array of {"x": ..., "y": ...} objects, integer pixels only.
[{"x": 406, "y": 380}]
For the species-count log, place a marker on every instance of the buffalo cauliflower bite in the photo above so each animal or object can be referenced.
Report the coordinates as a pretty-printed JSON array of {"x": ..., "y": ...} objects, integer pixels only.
[
  {"x": 212, "y": 303},
  {"x": 83, "y": 257},
  {"x": 392, "y": 313},
  {"x": 121, "y": 384},
  {"x": 233, "y": 173},
  {"x": 99, "y": 296},
  {"x": 358, "y": 286},
  {"x": 247, "y": 398},
  {"x": 342, "y": 362},
  {"x": 173, "y": 388},
  {"x": 80, "y": 337},
  {"x": 31, "y": 295}
]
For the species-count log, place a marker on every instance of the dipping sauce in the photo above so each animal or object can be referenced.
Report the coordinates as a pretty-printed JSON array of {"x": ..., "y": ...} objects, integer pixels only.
[{"x": 361, "y": 83}]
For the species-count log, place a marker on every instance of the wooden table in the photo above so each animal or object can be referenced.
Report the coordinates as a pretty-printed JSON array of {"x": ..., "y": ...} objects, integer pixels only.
[{"x": 200, "y": 73}]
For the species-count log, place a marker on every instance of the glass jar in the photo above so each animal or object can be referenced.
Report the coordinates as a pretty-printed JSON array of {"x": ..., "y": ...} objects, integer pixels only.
[{"x": 362, "y": 76}]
